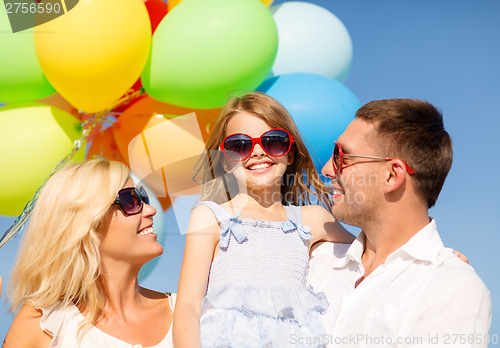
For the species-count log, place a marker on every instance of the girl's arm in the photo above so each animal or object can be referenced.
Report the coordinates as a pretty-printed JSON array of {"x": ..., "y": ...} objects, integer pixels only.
[
  {"x": 201, "y": 239},
  {"x": 324, "y": 227},
  {"x": 25, "y": 331}
]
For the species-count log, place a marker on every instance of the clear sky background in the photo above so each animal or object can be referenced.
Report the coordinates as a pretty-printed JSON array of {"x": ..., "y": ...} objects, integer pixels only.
[{"x": 446, "y": 52}]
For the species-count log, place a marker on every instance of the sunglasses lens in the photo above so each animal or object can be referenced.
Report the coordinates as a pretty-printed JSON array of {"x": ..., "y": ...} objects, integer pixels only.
[
  {"x": 130, "y": 201},
  {"x": 276, "y": 142},
  {"x": 336, "y": 158},
  {"x": 144, "y": 195},
  {"x": 237, "y": 147}
]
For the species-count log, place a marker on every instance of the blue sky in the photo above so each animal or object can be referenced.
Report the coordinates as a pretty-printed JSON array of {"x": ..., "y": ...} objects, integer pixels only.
[{"x": 446, "y": 52}]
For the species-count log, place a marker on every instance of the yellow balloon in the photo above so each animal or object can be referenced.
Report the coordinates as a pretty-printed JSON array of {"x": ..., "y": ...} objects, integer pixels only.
[
  {"x": 173, "y": 3},
  {"x": 34, "y": 138},
  {"x": 95, "y": 52}
]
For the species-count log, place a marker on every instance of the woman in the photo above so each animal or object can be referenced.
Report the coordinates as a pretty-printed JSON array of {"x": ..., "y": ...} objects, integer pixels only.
[{"x": 75, "y": 276}]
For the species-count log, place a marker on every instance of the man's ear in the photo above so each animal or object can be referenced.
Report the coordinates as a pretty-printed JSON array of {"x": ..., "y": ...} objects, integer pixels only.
[{"x": 396, "y": 176}]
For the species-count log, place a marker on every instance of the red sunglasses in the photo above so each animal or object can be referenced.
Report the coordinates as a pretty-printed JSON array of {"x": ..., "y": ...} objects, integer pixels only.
[
  {"x": 275, "y": 142},
  {"x": 338, "y": 160}
]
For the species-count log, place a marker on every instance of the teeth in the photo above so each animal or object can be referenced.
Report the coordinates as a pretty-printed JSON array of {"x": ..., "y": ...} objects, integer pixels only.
[
  {"x": 338, "y": 191},
  {"x": 149, "y": 230},
  {"x": 259, "y": 166}
]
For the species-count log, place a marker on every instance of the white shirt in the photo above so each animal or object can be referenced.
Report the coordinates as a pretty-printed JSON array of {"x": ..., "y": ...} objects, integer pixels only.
[
  {"x": 63, "y": 324},
  {"x": 423, "y": 296}
]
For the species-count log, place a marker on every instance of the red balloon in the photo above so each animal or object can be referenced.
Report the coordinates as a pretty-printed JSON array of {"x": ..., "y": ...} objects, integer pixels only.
[
  {"x": 157, "y": 9},
  {"x": 104, "y": 146}
]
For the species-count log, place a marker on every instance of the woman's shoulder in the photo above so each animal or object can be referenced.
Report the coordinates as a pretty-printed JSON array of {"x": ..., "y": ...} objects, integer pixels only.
[{"x": 26, "y": 329}]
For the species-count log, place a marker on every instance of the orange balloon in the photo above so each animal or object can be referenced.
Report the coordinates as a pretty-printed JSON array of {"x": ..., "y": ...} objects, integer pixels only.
[
  {"x": 59, "y": 102},
  {"x": 173, "y": 3},
  {"x": 138, "y": 117},
  {"x": 162, "y": 144},
  {"x": 104, "y": 146},
  {"x": 165, "y": 202}
]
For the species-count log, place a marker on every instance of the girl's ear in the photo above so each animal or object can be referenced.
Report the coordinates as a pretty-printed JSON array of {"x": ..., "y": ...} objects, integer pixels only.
[
  {"x": 227, "y": 165},
  {"x": 291, "y": 155}
]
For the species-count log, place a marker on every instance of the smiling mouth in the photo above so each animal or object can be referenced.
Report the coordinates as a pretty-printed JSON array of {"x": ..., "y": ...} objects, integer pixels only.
[
  {"x": 258, "y": 166},
  {"x": 146, "y": 231},
  {"x": 338, "y": 191}
]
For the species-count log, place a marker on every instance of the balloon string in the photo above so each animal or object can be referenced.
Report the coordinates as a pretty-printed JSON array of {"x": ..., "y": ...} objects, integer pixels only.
[
  {"x": 129, "y": 95},
  {"x": 87, "y": 127}
]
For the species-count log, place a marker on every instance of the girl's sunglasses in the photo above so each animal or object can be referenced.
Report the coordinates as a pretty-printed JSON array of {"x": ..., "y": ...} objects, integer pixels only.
[
  {"x": 275, "y": 142},
  {"x": 131, "y": 200}
]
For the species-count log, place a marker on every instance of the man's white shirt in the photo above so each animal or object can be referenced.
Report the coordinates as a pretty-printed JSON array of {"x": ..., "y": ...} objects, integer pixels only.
[{"x": 423, "y": 296}]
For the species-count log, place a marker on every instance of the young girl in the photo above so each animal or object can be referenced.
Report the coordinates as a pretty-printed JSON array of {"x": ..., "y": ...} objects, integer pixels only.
[{"x": 247, "y": 247}]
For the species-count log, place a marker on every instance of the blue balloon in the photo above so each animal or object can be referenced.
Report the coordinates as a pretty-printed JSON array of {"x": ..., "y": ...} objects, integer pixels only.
[{"x": 320, "y": 106}]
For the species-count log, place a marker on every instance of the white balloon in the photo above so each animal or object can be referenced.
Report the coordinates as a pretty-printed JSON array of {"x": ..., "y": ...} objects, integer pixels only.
[{"x": 311, "y": 40}]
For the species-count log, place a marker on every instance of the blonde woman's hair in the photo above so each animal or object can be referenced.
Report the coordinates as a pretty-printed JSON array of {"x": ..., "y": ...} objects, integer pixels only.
[
  {"x": 301, "y": 179},
  {"x": 58, "y": 261}
]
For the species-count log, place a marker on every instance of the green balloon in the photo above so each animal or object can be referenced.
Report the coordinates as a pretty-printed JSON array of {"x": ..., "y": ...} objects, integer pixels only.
[
  {"x": 34, "y": 138},
  {"x": 202, "y": 50},
  {"x": 21, "y": 78}
]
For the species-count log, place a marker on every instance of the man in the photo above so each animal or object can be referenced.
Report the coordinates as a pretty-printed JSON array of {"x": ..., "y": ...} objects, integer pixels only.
[{"x": 396, "y": 285}]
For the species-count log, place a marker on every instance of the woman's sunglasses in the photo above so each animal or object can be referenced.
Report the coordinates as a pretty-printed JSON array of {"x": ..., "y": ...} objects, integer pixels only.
[
  {"x": 275, "y": 142},
  {"x": 339, "y": 155},
  {"x": 131, "y": 200}
]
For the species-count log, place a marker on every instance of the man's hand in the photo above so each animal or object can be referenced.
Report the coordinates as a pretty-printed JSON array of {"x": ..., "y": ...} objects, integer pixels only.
[{"x": 461, "y": 256}]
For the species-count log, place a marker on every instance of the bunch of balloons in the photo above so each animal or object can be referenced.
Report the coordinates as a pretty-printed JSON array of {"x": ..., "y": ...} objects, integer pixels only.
[{"x": 111, "y": 72}]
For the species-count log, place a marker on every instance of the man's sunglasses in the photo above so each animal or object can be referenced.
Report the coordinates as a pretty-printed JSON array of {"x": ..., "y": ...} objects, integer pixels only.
[
  {"x": 339, "y": 155},
  {"x": 275, "y": 142},
  {"x": 131, "y": 200}
]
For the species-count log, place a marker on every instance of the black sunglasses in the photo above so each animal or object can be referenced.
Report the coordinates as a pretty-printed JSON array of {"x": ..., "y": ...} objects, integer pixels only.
[{"x": 131, "y": 200}]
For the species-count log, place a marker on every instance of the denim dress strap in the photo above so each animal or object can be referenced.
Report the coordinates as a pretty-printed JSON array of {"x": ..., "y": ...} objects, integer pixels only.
[
  {"x": 295, "y": 222},
  {"x": 229, "y": 225},
  {"x": 294, "y": 213},
  {"x": 220, "y": 213}
]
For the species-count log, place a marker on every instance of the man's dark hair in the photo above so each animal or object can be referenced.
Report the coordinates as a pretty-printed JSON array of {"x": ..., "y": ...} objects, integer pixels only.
[{"x": 413, "y": 131}]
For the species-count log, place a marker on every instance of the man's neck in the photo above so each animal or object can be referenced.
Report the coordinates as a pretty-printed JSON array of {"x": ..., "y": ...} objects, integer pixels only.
[{"x": 389, "y": 234}]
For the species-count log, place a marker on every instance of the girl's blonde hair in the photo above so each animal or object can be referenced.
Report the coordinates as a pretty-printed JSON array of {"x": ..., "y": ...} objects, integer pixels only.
[
  {"x": 300, "y": 181},
  {"x": 59, "y": 261}
]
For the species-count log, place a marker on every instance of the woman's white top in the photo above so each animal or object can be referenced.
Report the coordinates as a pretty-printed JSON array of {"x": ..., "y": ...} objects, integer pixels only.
[{"x": 63, "y": 323}]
